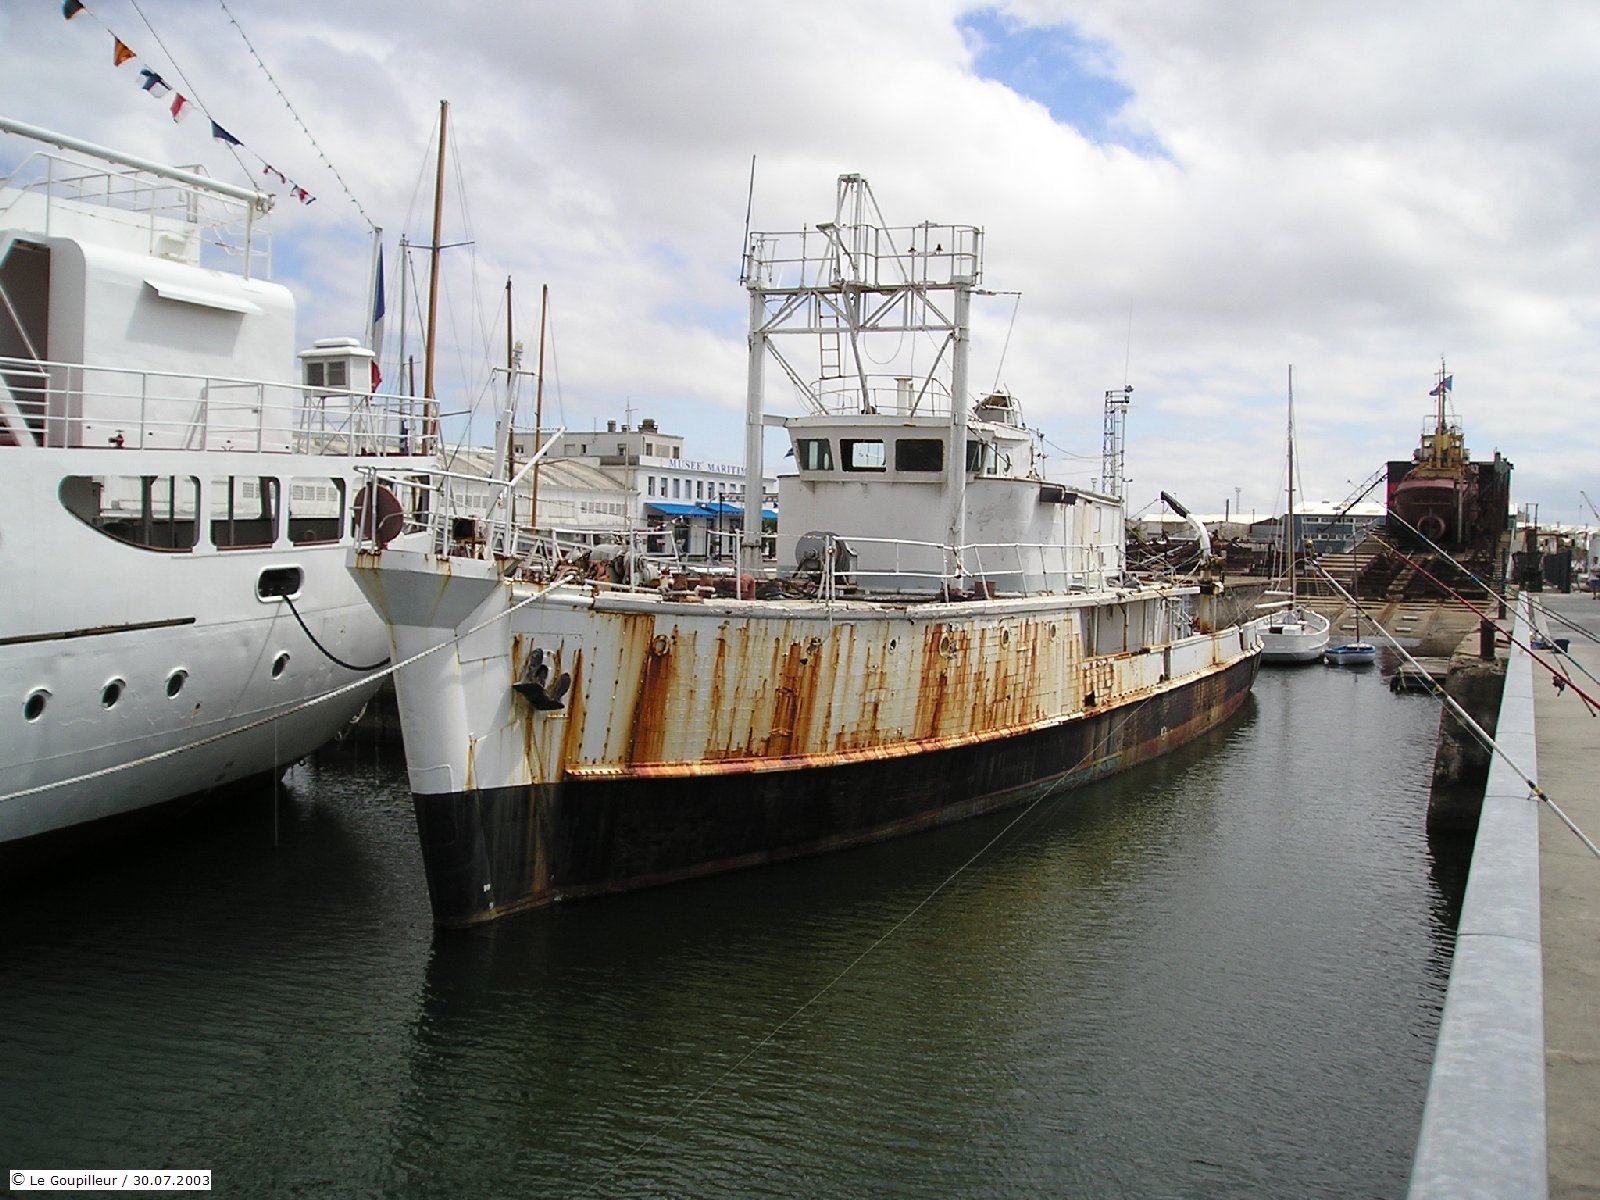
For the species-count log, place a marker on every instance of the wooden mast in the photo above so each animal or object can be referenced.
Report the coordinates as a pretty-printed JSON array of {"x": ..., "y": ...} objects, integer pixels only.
[
  {"x": 538, "y": 410},
  {"x": 433, "y": 274}
]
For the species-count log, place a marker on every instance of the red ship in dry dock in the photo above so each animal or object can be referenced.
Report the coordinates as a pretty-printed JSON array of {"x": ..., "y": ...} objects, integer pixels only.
[
  {"x": 1437, "y": 494},
  {"x": 949, "y": 633}
]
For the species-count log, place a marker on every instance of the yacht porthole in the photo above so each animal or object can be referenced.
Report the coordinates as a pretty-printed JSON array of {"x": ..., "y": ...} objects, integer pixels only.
[
  {"x": 175, "y": 681},
  {"x": 279, "y": 663},
  {"x": 112, "y": 692},
  {"x": 33, "y": 706}
]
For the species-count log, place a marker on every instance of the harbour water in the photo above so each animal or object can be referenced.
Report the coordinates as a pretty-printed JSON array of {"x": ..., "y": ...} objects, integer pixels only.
[{"x": 1219, "y": 975}]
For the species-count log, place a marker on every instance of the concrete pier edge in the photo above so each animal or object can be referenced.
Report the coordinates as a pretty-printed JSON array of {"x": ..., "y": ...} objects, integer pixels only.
[{"x": 1483, "y": 1127}]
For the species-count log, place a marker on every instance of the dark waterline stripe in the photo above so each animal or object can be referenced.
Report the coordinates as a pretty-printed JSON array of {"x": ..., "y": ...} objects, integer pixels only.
[{"x": 95, "y": 631}]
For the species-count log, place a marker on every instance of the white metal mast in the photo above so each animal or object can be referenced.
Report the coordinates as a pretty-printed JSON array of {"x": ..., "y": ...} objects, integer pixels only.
[{"x": 858, "y": 277}]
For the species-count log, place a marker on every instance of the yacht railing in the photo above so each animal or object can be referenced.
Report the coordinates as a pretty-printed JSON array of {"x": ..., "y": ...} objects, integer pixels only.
[
  {"x": 169, "y": 212},
  {"x": 59, "y": 404}
]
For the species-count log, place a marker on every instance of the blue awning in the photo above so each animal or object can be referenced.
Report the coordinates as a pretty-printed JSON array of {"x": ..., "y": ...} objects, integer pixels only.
[
  {"x": 708, "y": 510},
  {"x": 674, "y": 510},
  {"x": 735, "y": 510}
]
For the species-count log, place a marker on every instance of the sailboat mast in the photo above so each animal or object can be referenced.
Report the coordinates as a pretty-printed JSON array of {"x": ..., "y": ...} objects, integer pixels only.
[
  {"x": 508, "y": 452},
  {"x": 1288, "y": 520},
  {"x": 433, "y": 266}
]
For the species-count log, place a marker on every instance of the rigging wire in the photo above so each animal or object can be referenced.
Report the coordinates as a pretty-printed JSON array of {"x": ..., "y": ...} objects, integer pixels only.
[
  {"x": 189, "y": 87},
  {"x": 1006, "y": 345},
  {"x": 232, "y": 20}
]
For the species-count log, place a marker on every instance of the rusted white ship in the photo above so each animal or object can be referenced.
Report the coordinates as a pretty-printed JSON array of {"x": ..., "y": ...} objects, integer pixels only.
[{"x": 943, "y": 632}]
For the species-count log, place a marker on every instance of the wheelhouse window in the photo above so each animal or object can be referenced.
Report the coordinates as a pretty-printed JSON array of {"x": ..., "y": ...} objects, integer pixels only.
[
  {"x": 981, "y": 457},
  {"x": 244, "y": 511},
  {"x": 919, "y": 454},
  {"x": 813, "y": 454},
  {"x": 316, "y": 510},
  {"x": 862, "y": 454},
  {"x": 154, "y": 512}
]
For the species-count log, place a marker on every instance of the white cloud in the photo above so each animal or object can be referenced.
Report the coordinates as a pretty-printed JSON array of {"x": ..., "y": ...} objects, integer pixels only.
[{"x": 1354, "y": 187}]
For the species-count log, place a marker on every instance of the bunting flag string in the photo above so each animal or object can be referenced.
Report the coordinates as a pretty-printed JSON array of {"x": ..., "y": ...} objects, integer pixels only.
[{"x": 179, "y": 105}]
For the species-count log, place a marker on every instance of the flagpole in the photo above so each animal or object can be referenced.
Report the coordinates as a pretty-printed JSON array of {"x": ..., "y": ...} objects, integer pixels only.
[{"x": 375, "y": 295}]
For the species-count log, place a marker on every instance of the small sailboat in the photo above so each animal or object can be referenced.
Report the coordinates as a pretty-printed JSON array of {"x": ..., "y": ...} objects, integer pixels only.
[
  {"x": 1293, "y": 633},
  {"x": 1356, "y": 652}
]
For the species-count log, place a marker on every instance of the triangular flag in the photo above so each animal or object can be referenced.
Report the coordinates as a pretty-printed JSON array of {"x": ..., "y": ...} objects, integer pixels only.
[
  {"x": 222, "y": 135},
  {"x": 152, "y": 81},
  {"x": 180, "y": 107},
  {"x": 71, "y": 8},
  {"x": 122, "y": 52}
]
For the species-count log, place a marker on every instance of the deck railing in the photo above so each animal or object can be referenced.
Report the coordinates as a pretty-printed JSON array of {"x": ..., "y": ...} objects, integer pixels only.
[
  {"x": 468, "y": 516},
  {"x": 48, "y": 403}
]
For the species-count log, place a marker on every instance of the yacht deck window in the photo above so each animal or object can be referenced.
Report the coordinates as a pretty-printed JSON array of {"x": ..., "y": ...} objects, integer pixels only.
[
  {"x": 244, "y": 511},
  {"x": 316, "y": 510},
  {"x": 154, "y": 512}
]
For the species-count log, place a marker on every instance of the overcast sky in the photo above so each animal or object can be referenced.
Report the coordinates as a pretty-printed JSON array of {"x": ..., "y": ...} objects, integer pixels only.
[{"x": 1190, "y": 196}]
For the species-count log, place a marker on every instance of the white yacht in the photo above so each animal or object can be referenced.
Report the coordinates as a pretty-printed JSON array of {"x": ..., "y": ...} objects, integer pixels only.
[{"x": 178, "y": 495}]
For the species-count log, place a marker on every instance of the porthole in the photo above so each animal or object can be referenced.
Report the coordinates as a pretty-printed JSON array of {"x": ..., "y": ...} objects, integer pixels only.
[
  {"x": 112, "y": 692},
  {"x": 279, "y": 663},
  {"x": 176, "y": 680},
  {"x": 33, "y": 706}
]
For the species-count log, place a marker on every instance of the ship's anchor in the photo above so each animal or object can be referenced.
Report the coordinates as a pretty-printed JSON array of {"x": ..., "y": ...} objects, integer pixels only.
[{"x": 535, "y": 685}]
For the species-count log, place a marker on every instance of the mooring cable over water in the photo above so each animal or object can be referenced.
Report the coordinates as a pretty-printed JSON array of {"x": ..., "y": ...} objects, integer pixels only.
[
  {"x": 1488, "y": 588},
  {"x": 1484, "y": 738},
  {"x": 676, "y": 1118},
  {"x": 1565, "y": 680}
]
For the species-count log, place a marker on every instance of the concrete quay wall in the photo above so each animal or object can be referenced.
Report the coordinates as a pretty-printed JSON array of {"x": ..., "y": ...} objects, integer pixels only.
[{"x": 1483, "y": 1127}]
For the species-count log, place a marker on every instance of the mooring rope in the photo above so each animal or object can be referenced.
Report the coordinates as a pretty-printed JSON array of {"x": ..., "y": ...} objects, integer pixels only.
[
  {"x": 1488, "y": 742},
  {"x": 329, "y": 654},
  {"x": 1488, "y": 588},
  {"x": 1564, "y": 680},
  {"x": 677, "y": 1117},
  {"x": 312, "y": 702}
]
